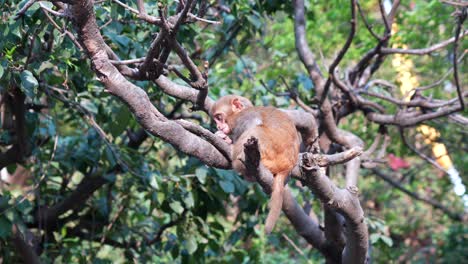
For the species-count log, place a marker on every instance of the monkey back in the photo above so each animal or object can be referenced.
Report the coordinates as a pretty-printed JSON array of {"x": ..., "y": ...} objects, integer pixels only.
[{"x": 276, "y": 135}]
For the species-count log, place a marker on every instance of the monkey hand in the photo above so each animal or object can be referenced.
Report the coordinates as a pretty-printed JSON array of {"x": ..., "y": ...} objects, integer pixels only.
[{"x": 225, "y": 137}]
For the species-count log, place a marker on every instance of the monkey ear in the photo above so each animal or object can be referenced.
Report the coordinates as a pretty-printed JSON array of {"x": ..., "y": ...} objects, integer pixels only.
[{"x": 237, "y": 105}]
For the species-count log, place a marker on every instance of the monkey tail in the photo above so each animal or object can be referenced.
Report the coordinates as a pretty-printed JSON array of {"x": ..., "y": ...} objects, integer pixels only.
[{"x": 276, "y": 202}]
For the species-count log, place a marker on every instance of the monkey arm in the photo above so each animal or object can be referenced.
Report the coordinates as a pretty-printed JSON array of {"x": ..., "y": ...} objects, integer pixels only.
[{"x": 224, "y": 137}]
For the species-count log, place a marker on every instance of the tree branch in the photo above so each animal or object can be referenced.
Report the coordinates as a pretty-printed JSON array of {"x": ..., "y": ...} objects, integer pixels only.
[
  {"x": 345, "y": 202},
  {"x": 23, "y": 248},
  {"x": 423, "y": 51}
]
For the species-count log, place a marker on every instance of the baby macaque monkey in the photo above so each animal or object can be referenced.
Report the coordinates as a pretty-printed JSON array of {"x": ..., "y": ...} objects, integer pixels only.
[{"x": 238, "y": 120}]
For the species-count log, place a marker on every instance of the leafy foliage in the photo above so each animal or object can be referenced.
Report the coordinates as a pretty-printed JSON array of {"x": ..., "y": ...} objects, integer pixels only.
[{"x": 154, "y": 204}]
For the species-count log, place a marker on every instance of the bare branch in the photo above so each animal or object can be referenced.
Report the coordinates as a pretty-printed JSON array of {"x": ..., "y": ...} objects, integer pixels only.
[
  {"x": 302, "y": 47},
  {"x": 334, "y": 159},
  {"x": 420, "y": 101},
  {"x": 199, "y": 82},
  {"x": 143, "y": 16},
  {"x": 411, "y": 118},
  {"x": 24, "y": 9},
  {"x": 183, "y": 15},
  {"x": 387, "y": 24},
  {"x": 216, "y": 141},
  {"x": 461, "y": 17},
  {"x": 344, "y": 201},
  {"x": 342, "y": 52},
  {"x": 424, "y": 51},
  {"x": 204, "y": 20},
  {"x": 53, "y": 12},
  {"x": 146, "y": 69},
  {"x": 459, "y": 119},
  {"x": 164, "y": 227},
  {"x": 366, "y": 23},
  {"x": 182, "y": 92},
  {"x": 141, "y": 7},
  {"x": 25, "y": 250},
  {"x": 125, "y": 62},
  {"x": 420, "y": 154},
  {"x": 461, "y": 3}
]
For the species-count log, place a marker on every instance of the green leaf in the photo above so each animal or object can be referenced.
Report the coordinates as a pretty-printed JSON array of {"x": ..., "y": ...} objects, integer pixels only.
[
  {"x": 122, "y": 40},
  {"x": 44, "y": 66},
  {"x": 177, "y": 207},
  {"x": 5, "y": 227},
  {"x": 110, "y": 156},
  {"x": 89, "y": 105},
  {"x": 29, "y": 83},
  {"x": 387, "y": 240},
  {"x": 110, "y": 177},
  {"x": 122, "y": 118},
  {"x": 191, "y": 244},
  {"x": 374, "y": 238},
  {"x": 11, "y": 168},
  {"x": 153, "y": 181},
  {"x": 188, "y": 200},
  {"x": 256, "y": 22},
  {"x": 227, "y": 186},
  {"x": 201, "y": 173},
  {"x": 4, "y": 202},
  {"x": 1, "y": 71}
]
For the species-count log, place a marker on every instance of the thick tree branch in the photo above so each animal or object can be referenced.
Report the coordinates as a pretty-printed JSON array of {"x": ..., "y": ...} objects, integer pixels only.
[
  {"x": 23, "y": 248},
  {"x": 302, "y": 47},
  {"x": 344, "y": 201}
]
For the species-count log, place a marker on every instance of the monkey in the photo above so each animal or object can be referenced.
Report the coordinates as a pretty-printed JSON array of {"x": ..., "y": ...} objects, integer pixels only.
[{"x": 237, "y": 120}]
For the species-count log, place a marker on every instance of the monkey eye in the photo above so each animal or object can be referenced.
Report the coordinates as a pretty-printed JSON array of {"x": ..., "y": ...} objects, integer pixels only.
[{"x": 218, "y": 117}]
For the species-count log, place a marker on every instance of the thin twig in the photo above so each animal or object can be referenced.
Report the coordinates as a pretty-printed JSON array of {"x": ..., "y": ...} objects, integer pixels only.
[
  {"x": 204, "y": 20},
  {"x": 366, "y": 23},
  {"x": 342, "y": 52},
  {"x": 165, "y": 226},
  {"x": 131, "y": 61},
  {"x": 63, "y": 31},
  {"x": 24, "y": 9},
  {"x": 423, "y": 51},
  {"x": 461, "y": 3},
  {"x": 292, "y": 244},
  {"x": 420, "y": 154},
  {"x": 53, "y": 12},
  {"x": 461, "y": 16}
]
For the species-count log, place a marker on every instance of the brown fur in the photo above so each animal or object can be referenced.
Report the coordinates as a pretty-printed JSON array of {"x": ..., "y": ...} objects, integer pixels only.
[{"x": 277, "y": 139}]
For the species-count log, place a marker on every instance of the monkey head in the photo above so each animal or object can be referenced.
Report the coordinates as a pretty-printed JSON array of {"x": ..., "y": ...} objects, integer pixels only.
[{"x": 225, "y": 109}]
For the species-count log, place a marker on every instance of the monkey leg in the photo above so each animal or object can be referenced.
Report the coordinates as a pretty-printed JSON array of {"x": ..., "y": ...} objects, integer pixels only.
[
  {"x": 252, "y": 153},
  {"x": 246, "y": 158}
]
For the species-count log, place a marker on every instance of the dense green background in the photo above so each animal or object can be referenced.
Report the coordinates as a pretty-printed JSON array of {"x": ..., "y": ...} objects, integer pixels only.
[{"x": 154, "y": 184}]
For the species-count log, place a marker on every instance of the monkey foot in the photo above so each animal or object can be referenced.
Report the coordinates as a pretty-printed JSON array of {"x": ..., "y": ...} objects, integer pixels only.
[{"x": 252, "y": 153}]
